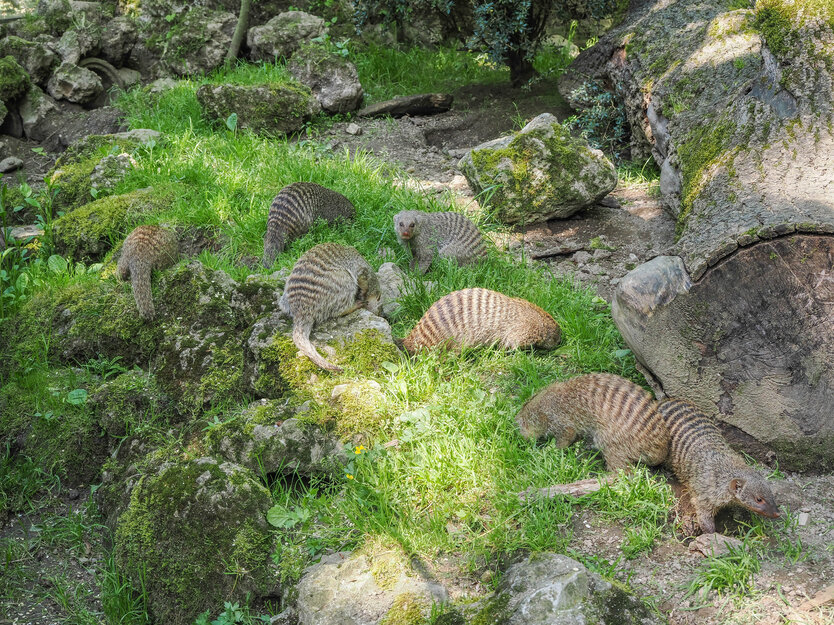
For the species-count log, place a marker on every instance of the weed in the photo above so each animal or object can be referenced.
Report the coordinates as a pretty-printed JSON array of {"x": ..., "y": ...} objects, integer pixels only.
[{"x": 729, "y": 573}]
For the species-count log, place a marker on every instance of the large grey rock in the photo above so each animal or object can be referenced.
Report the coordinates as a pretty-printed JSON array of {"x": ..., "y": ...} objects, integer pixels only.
[
  {"x": 15, "y": 79},
  {"x": 737, "y": 107},
  {"x": 189, "y": 522},
  {"x": 57, "y": 15},
  {"x": 539, "y": 173},
  {"x": 332, "y": 78},
  {"x": 117, "y": 39},
  {"x": 199, "y": 42},
  {"x": 350, "y": 589},
  {"x": 76, "y": 43},
  {"x": 552, "y": 589},
  {"x": 74, "y": 84},
  {"x": 266, "y": 437},
  {"x": 391, "y": 285},
  {"x": 36, "y": 58},
  {"x": 283, "y": 34},
  {"x": 275, "y": 108}
]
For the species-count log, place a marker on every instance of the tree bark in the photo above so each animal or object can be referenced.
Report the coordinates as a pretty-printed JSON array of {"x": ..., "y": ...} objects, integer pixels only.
[{"x": 240, "y": 30}]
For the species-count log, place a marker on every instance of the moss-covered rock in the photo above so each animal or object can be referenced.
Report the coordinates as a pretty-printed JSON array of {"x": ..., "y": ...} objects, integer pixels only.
[
  {"x": 195, "y": 535},
  {"x": 131, "y": 403},
  {"x": 14, "y": 80},
  {"x": 197, "y": 41},
  {"x": 540, "y": 173},
  {"x": 37, "y": 59},
  {"x": 89, "y": 232},
  {"x": 552, "y": 588},
  {"x": 332, "y": 78},
  {"x": 56, "y": 14},
  {"x": 46, "y": 416},
  {"x": 272, "y": 108},
  {"x": 267, "y": 437},
  {"x": 283, "y": 34}
]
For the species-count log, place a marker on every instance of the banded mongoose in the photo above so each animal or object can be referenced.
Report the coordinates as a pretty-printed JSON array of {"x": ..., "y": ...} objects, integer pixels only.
[
  {"x": 473, "y": 317},
  {"x": 447, "y": 234},
  {"x": 145, "y": 249},
  {"x": 294, "y": 210},
  {"x": 328, "y": 280},
  {"x": 620, "y": 417},
  {"x": 713, "y": 473}
]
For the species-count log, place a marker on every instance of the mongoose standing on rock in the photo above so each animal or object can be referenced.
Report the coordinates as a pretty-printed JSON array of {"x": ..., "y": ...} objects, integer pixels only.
[
  {"x": 145, "y": 249},
  {"x": 329, "y": 280},
  {"x": 620, "y": 417},
  {"x": 294, "y": 210},
  {"x": 447, "y": 234},
  {"x": 473, "y": 317},
  {"x": 713, "y": 473}
]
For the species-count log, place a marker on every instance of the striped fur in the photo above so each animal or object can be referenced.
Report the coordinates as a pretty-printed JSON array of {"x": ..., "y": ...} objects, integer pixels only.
[
  {"x": 713, "y": 473},
  {"x": 447, "y": 234},
  {"x": 328, "y": 281},
  {"x": 145, "y": 249},
  {"x": 620, "y": 418},
  {"x": 473, "y": 317},
  {"x": 294, "y": 210}
]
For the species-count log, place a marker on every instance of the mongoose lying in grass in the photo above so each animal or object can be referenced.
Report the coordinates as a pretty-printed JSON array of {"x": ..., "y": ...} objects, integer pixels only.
[
  {"x": 294, "y": 210},
  {"x": 473, "y": 317},
  {"x": 145, "y": 249},
  {"x": 621, "y": 418},
  {"x": 713, "y": 473},
  {"x": 447, "y": 234},
  {"x": 328, "y": 280}
]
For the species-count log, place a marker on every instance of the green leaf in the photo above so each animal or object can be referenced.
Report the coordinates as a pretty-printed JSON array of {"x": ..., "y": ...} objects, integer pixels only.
[
  {"x": 390, "y": 366},
  {"x": 279, "y": 516},
  {"x": 77, "y": 397},
  {"x": 57, "y": 264},
  {"x": 622, "y": 353},
  {"x": 231, "y": 122}
]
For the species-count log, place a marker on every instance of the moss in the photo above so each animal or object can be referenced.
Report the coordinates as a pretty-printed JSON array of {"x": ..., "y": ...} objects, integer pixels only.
[
  {"x": 281, "y": 369},
  {"x": 14, "y": 80},
  {"x": 88, "y": 232},
  {"x": 407, "y": 609},
  {"x": 61, "y": 437},
  {"x": 366, "y": 352},
  {"x": 130, "y": 403},
  {"x": 73, "y": 182},
  {"x": 703, "y": 147},
  {"x": 494, "y": 611},
  {"x": 193, "y": 535}
]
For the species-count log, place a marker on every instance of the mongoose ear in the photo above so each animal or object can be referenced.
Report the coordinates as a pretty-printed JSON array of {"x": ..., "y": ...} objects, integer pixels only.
[{"x": 736, "y": 484}]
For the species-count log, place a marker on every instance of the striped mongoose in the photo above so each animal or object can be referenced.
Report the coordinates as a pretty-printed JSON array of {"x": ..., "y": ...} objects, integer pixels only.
[
  {"x": 473, "y": 317},
  {"x": 447, "y": 234},
  {"x": 618, "y": 416},
  {"x": 328, "y": 280},
  {"x": 713, "y": 473},
  {"x": 145, "y": 249},
  {"x": 294, "y": 210}
]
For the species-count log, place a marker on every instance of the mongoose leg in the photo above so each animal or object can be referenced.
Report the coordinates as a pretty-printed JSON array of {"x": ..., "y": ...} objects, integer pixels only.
[{"x": 706, "y": 520}]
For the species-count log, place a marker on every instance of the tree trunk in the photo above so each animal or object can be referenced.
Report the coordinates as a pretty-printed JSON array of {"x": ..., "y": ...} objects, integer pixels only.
[
  {"x": 240, "y": 30},
  {"x": 521, "y": 68},
  {"x": 739, "y": 318}
]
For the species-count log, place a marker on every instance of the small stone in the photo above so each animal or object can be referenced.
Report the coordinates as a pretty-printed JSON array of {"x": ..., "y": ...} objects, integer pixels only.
[
  {"x": 22, "y": 233},
  {"x": 354, "y": 129},
  {"x": 804, "y": 517},
  {"x": 10, "y": 164}
]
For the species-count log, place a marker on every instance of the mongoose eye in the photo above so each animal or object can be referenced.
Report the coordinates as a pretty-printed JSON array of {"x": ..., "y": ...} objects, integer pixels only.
[
  {"x": 759, "y": 500},
  {"x": 412, "y": 225}
]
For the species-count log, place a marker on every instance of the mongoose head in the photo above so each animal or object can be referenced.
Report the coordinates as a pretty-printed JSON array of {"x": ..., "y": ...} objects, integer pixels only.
[
  {"x": 751, "y": 491},
  {"x": 405, "y": 224}
]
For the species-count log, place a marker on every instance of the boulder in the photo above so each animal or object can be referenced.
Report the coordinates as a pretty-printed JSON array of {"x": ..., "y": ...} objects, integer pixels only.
[
  {"x": 283, "y": 35},
  {"x": 36, "y": 58},
  {"x": 737, "y": 108},
  {"x": 14, "y": 81},
  {"x": 331, "y": 77},
  {"x": 10, "y": 164},
  {"x": 551, "y": 588},
  {"x": 56, "y": 14},
  {"x": 198, "y": 41},
  {"x": 539, "y": 173},
  {"x": 117, "y": 39},
  {"x": 34, "y": 108},
  {"x": 345, "y": 588},
  {"x": 130, "y": 401},
  {"x": 273, "y": 108},
  {"x": 77, "y": 43},
  {"x": 188, "y": 524},
  {"x": 111, "y": 170},
  {"x": 74, "y": 84},
  {"x": 266, "y": 437},
  {"x": 391, "y": 285}
]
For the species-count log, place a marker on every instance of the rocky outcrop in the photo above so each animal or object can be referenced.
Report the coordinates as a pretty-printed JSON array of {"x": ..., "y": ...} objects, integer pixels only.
[
  {"x": 198, "y": 42},
  {"x": 74, "y": 84},
  {"x": 539, "y": 173},
  {"x": 283, "y": 35},
  {"x": 331, "y": 77},
  {"x": 737, "y": 108},
  {"x": 117, "y": 39},
  {"x": 365, "y": 588},
  {"x": 274, "y": 108},
  {"x": 551, "y": 588}
]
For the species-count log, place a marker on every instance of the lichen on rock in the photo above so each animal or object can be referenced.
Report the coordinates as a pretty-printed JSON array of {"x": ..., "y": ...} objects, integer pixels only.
[
  {"x": 539, "y": 173},
  {"x": 14, "y": 80}
]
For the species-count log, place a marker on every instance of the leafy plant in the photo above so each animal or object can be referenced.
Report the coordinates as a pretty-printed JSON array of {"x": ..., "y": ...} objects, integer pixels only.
[{"x": 601, "y": 119}]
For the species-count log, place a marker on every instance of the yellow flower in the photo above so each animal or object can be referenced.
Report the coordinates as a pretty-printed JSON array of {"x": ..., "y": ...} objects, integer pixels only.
[
  {"x": 359, "y": 449},
  {"x": 349, "y": 476}
]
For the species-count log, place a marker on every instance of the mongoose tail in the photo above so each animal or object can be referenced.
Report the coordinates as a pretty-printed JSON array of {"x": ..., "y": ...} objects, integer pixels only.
[
  {"x": 301, "y": 338},
  {"x": 273, "y": 245},
  {"x": 140, "y": 278}
]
